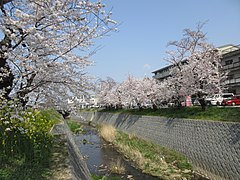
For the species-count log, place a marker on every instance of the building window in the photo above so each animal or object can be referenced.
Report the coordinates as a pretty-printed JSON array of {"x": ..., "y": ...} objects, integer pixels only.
[{"x": 228, "y": 62}]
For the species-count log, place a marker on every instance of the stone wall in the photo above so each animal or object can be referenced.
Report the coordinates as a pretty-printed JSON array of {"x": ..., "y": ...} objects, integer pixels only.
[{"x": 213, "y": 147}]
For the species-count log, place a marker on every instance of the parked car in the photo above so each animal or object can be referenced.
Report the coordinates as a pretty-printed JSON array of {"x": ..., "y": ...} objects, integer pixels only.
[
  {"x": 217, "y": 99},
  {"x": 235, "y": 100}
]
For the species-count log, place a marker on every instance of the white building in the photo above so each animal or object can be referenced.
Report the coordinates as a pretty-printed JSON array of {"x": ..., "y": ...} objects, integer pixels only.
[
  {"x": 84, "y": 101},
  {"x": 230, "y": 62}
]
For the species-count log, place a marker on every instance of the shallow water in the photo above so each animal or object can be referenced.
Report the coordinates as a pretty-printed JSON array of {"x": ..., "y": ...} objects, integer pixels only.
[{"x": 99, "y": 156}]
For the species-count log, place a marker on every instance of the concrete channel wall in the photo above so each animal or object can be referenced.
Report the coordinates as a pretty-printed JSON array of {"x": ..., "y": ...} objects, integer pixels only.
[
  {"x": 212, "y": 147},
  {"x": 78, "y": 166}
]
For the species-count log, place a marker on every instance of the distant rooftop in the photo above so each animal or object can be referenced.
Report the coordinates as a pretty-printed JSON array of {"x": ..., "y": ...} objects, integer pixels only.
[
  {"x": 167, "y": 67},
  {"x": 161, "y": 69},
  {"x": 228, "y": 48},
  {"x": 223, "y": 49}
]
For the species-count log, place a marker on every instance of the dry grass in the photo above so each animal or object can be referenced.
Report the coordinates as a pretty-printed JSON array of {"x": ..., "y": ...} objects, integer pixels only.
[
  {"x": 107, "y": 132},
  {"x": 117, "y": 167},
  {"x": 148, "y": 157},
  {"x": 132, "y": 154},
  {"x": 138, "y": 157},
  {"x": 132, "y": 136},
  {"x": 159, "y": 167}
]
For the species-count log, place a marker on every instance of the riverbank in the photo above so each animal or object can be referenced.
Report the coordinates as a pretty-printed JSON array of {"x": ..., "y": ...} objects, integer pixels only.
[
  {"x": 211, "y": 146},
  {"x": 103, "y": 160},
  {"x": 147, "y": 156}
]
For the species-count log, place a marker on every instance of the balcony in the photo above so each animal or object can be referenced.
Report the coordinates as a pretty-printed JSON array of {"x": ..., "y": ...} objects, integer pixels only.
[
  {"x": 232, "y": 81},
  {"x": 232, "y": 66}
]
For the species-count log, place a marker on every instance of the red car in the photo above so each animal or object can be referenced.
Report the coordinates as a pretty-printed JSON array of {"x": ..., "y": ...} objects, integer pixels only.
[{"x": 235, "y": 100}]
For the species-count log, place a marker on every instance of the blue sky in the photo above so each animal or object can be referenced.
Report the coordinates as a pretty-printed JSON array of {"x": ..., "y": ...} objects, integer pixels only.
[{"x": 147, "y": 26}]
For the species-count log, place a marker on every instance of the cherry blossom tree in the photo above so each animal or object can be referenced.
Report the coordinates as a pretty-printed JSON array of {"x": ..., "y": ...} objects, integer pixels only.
[
  {"x": 196, "y": 70},
  {"x": 132, "y": 92},
  {"x": 115, "y": 95},
  {"x": 46, "y": 46},
  {"x": 196, "y": 66},
  {"x": 105, "y": 91},
  {"x": 129, "y": 91}
]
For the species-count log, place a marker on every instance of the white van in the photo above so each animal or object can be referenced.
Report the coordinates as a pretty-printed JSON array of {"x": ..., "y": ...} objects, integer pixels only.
[{"x": 217, "y": 99}]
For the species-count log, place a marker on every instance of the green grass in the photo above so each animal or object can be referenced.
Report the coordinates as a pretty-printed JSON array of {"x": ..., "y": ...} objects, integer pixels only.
[
  {"x": 52, "y": 115},
  {"x": 212, "y": 113},
  {"x": 22, "y": 169},
  {"x": 29, "y": 156},
  {"x": 97, "y": 177},
  {"x": 151, "y": 150},
  {"x": 54, "y": 164},
  {"x": 19, "y": 169},
  {"x": 75, "y": 127},
  {"x": 157, "y": 160}
]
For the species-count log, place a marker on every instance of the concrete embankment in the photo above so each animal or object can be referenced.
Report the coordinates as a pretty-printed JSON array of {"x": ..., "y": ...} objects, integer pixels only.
[
  {"x": 212, "y": 147},
  {"x": 77, "y": 165}
]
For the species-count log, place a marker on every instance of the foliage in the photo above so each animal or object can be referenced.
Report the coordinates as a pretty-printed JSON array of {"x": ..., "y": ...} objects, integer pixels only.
[
  {"x": 96, "y": 177},
  {"x": 194, "y": 70},
  {"x": 132, "y": 92},
  {"x": 196, "y": 66},
  {"x": 75, "y": 127},
  {"x": 51, "y": 114},
  {"x": 54, "y": 167},
  {"x": 105, "y": 91},
  {"x": 25, "y": 142},
  {"x": 213, "y": 113},
  {"x": 46, "y": 47}
]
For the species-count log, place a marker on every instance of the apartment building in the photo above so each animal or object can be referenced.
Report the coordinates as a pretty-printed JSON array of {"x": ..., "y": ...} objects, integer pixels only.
[
  {"x": 230, "y": 62},
  {"x": 162, "y": 73}
]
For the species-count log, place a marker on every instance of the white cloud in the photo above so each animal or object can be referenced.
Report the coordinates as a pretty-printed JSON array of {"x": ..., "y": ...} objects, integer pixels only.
[{"x": 146, "y": 66}]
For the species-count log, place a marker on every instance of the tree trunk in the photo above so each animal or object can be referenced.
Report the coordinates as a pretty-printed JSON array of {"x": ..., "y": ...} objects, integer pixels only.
[
  {"x": 6, "y": 75},
  {"x": 139, "y": 106},
  {"x": 7, "y": 80},
  {"x": 154, "y": 107},
  {"x": 202, "y": 102}
]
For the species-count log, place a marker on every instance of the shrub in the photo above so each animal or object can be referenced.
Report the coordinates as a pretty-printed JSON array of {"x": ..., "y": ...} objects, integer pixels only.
[
  {"x": 24, "y": 133},
  {"x": 117, "y": 166},
  {"x": 108, "y": 132},
  {"x": 75, "y": 127}
]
